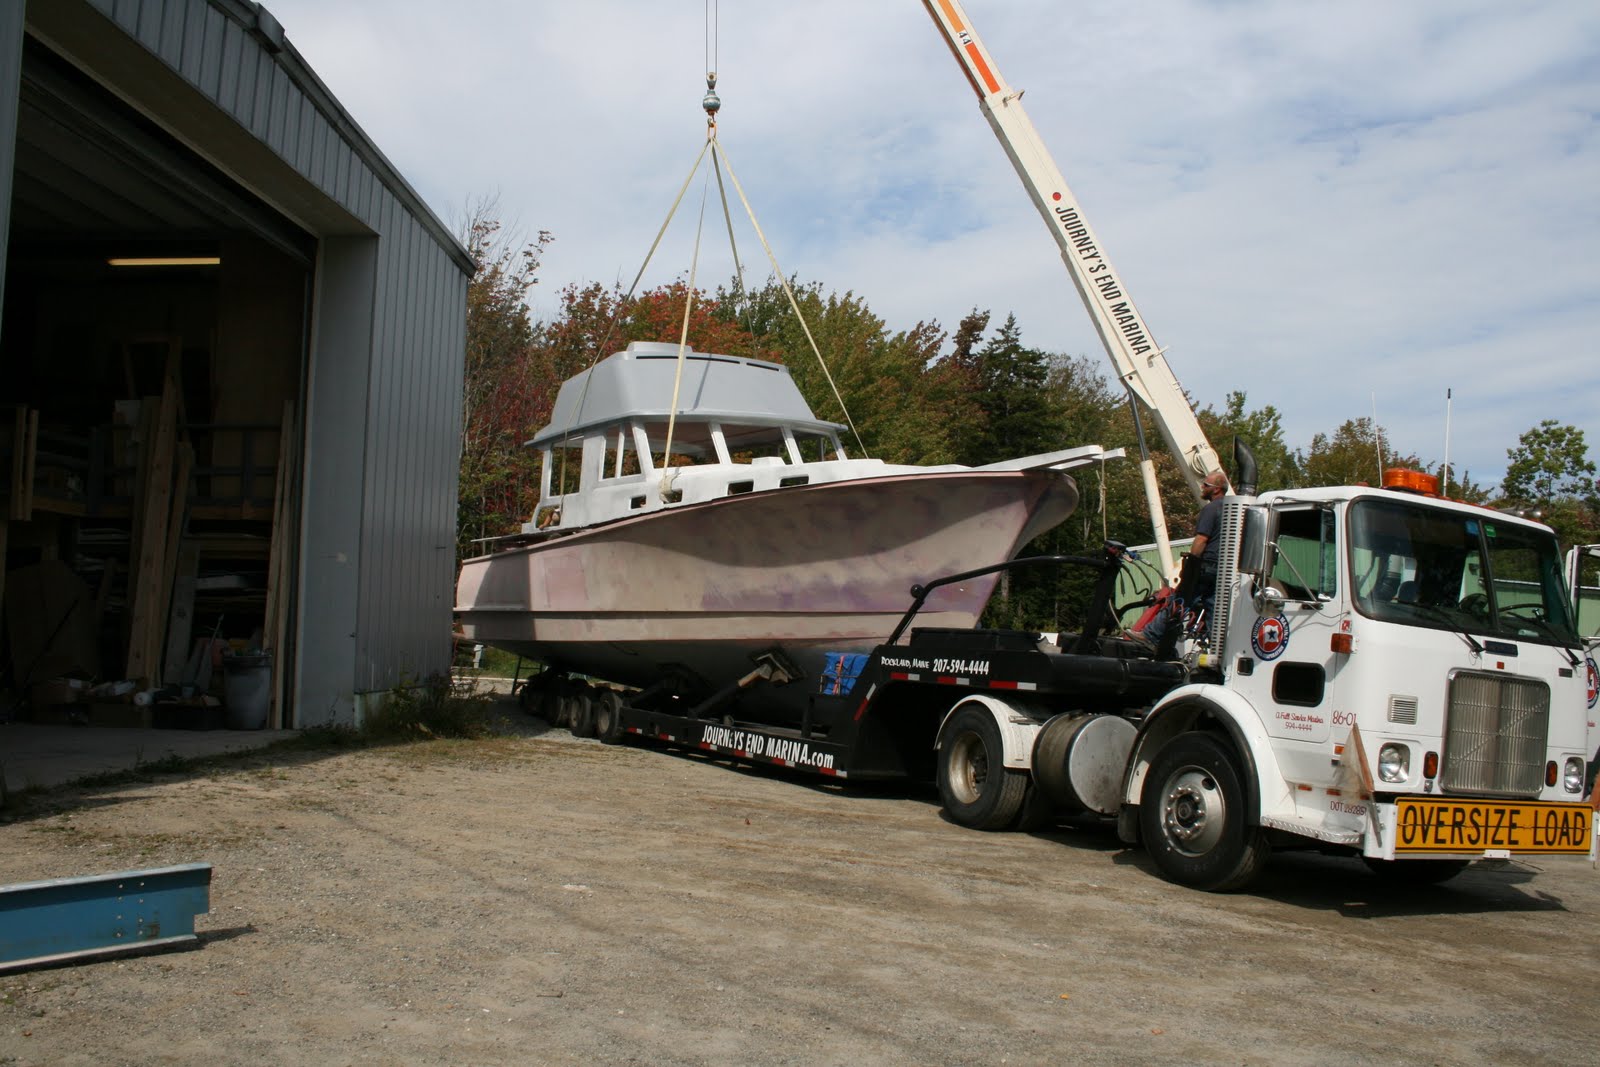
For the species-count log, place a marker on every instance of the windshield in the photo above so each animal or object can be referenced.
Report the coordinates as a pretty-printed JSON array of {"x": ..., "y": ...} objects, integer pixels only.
[{"x": 1428, "y": 567}]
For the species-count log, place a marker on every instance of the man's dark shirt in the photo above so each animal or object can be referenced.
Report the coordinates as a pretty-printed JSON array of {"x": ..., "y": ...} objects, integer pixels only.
[{"x": 1207, "y": 526}]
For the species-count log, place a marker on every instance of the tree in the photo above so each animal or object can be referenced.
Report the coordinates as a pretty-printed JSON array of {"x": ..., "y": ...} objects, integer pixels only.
[
  {"x": 1351, "y": 456},
  {"x": 1550, "y": 461},
  {"x": 907, "y": 406},
  {"x": 1262, "y": 432},
  {"x": 1020, "y": 416},
  {"x": 1551, "y": 474},
  {"x": 498, "y": 393}
]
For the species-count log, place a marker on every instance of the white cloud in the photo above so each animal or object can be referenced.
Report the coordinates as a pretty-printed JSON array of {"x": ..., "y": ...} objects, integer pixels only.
[{"x": 1317, "y": 204}]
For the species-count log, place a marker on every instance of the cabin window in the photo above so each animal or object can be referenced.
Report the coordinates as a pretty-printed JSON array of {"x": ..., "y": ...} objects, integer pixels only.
[
  {"x": 753, "y": 448},
  {"x": 817, "y": 447},
  {"x": 621, "y": 460},
  {"x": 692, "y": 444},
  {"x": 562, "y": 468}
]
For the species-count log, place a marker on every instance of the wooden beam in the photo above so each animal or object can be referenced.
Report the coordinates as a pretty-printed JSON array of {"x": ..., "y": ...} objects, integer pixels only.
[
  {"x": 275, "y": 627},
  {"x": 147, "y": 604}
]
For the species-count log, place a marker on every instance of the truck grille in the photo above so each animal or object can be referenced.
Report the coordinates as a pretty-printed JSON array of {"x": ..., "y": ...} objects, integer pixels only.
[{"x": 1495, "y": 733}]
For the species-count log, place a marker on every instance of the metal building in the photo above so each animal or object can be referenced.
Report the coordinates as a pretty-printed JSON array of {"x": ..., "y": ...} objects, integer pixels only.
[{"x": 230, "y": 368}]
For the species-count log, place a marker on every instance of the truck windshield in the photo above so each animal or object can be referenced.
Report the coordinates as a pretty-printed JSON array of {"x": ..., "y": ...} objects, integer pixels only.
[{"x": 1424, "y": 566}]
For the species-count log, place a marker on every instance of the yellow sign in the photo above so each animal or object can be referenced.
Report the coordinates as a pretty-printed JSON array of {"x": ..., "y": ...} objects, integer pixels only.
[{"x": 1438, "y": 824}]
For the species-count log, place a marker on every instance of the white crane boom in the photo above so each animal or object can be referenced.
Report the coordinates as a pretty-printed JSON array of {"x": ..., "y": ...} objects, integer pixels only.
[{"x": 1139, "y": 362}]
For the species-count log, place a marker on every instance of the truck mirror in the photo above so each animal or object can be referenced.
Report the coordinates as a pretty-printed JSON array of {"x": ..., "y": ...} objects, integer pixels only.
[{"x": 1253, "y": 543}]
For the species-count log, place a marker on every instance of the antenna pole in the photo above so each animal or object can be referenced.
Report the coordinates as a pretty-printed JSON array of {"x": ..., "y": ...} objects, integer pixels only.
[
  {"x": 1447, "y": 393},
  {"x": 1377, "y": 438}
]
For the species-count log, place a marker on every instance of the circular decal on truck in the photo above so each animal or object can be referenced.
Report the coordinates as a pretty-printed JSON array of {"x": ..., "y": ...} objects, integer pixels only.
[
  {"x": 1270, "y": 636},
  {"x": 1592, "y": 673}
]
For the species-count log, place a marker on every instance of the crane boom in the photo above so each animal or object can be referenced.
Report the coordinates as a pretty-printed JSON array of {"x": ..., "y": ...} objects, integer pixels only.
[{"x": 1139, "y": 363}]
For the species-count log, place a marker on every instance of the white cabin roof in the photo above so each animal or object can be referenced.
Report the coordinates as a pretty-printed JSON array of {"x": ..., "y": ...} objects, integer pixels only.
[{"x": 637, "y": 383}]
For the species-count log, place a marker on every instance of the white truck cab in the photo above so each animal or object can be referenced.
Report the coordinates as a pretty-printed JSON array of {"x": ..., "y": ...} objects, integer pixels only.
[{"x": 1397, "y": 675}]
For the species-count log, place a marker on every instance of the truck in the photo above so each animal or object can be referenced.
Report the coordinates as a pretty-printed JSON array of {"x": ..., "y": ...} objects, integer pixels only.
[{"x": 1376, "y": 671}]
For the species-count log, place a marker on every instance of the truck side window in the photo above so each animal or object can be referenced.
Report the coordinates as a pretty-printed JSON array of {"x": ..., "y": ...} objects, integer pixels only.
[{"x": 1305, "y": 563}]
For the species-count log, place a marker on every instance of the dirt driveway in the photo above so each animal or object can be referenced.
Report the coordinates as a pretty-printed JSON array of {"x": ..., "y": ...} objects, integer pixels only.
[{"x": 539, "y": 899}]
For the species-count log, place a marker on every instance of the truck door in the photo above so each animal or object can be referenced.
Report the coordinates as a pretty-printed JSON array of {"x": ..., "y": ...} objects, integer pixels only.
[{"x": 1284, "y": 660}]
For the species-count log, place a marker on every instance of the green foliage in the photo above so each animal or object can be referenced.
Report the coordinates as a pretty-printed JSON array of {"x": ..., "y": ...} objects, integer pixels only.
[
  {"x": 1551, "y": 476},
  {"x": 1351, "y": 456},
  {"x": 906, "y": 405},
  {"x": 1277, "y": 466},
  {"x": 1021, "y": 417},
  {"x": 1550, "y": 462},
  {"x": 501, "y": 387},
  {"x": 436, "y": 707}
]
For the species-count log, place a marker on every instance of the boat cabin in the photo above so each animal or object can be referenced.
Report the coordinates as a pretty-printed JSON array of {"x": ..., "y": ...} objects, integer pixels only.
[{"x": 645, "y": 429}]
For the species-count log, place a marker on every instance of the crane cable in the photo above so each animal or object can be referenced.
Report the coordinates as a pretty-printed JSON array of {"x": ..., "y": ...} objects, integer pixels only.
[
  {"x": 722, "y": 153},
  {"x": 683, "y": 346},
  {"x": 711, "y": 104}
]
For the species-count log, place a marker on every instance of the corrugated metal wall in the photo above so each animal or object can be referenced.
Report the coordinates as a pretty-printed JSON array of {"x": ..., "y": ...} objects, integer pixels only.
[{"x": 391, "y": 412}]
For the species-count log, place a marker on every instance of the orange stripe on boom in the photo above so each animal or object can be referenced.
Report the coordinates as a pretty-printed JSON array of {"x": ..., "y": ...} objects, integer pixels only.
[
  {"x": 989, "y": 80},
  {"x": 950, "y": 13}
]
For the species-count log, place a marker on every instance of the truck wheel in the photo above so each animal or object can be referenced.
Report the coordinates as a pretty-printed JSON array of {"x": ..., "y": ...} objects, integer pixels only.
[
  {"x": 608, "y": 716},
  {"x": 583, "y": 714},
  {"x": 974, "y": 784},
  {"x": 1192, "y": 817},
  {"x": 1415, "y": 872},
  {"x": 534, "y": 698}
]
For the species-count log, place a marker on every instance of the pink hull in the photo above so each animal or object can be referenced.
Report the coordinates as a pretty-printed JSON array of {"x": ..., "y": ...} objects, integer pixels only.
[{"x": 809, "y": 569}]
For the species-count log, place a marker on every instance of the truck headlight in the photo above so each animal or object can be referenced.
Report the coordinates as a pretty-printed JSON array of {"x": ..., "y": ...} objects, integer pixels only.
[
  {"x": 1394, "y": 762},
  {"x": 1572, "y": 775}
]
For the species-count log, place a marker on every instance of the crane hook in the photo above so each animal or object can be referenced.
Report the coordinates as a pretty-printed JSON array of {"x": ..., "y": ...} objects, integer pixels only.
[{"x": 711, "y": 102}]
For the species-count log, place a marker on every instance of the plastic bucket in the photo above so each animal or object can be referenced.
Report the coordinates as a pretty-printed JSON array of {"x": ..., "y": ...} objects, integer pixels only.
[{"x": 247, "y": 690}]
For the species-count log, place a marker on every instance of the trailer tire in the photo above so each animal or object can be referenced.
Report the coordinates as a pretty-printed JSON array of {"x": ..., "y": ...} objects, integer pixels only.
[
  {"x": 1192, "y": 817},
  {"x": 1415, "y": 872},
  {"x": 583, "y": 714},
  {"x": 608, "y": 716},
  {"x": 974, "y": 784}
]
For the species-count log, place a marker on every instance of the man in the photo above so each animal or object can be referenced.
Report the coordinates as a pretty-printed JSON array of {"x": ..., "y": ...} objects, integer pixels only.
[
  {"x": 1212, "y": 490},
  {"x": 1201, "y": 576}
]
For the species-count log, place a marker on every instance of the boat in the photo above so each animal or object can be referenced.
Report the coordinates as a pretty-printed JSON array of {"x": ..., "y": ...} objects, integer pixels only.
[{"x": 758, "y": 536}]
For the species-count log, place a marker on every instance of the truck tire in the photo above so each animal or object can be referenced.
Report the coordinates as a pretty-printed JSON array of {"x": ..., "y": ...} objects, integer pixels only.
[
  {"x": 974, "y": 784},
  {"x": 534, "y": 697},
  {"x": 1192, "y": 817},
  {"x": 608, "y": 716},
  {"x": 582, "y": 714},
  {"x": 1415, "y": 872}
]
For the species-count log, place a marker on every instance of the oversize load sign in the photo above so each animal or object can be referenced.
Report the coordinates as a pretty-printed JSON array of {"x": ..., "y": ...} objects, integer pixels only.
[{"x": 1435, "y": 824}]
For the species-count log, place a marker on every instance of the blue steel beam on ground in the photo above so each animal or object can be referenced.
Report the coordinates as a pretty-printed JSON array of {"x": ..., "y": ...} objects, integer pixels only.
[{"x": 63, "y": 920}]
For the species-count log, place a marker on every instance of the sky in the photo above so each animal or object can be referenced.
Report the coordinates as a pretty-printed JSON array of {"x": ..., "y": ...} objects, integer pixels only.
[{"x": 1338, "y": 209}]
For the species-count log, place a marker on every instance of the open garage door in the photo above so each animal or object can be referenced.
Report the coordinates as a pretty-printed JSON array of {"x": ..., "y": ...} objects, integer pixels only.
[{"x": 153, "y": 349}]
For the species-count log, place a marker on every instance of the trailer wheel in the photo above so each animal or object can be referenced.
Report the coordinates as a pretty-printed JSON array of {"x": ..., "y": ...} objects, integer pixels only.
[
  {"x": 583, "y": 714},
  {"x": 977, "y": 789},
  {"x": 1192, "y": 817},
  {"x": 534, "y": 697},
  {"x": 1415, "y": 872},
  {"x": 561, "y": 705},
  {"x": 608, "y": 716}
]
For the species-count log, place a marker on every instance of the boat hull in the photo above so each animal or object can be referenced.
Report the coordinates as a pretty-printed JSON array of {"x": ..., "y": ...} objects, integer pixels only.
[{"x": 811, "y": 570}]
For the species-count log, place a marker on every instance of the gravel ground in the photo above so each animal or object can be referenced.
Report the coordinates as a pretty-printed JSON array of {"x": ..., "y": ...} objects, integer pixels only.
[{"x": 535, "y": 898}]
